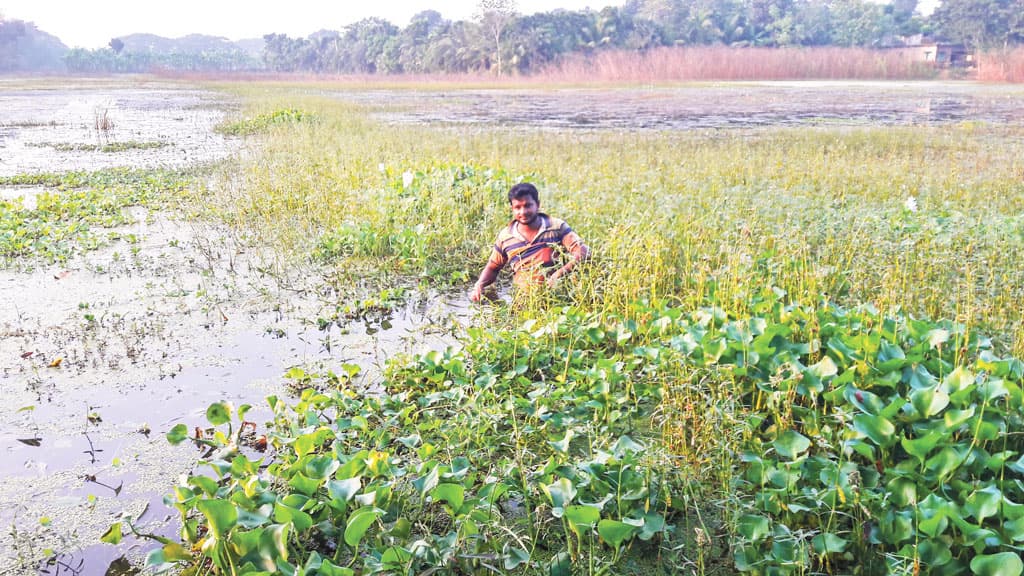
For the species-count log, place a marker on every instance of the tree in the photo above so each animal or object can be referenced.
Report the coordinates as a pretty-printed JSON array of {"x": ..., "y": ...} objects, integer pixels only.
[
  {"x": 980, "y": 23},
  {"x": 494, "y": 17},
  {"x": 116, "y": 44}
]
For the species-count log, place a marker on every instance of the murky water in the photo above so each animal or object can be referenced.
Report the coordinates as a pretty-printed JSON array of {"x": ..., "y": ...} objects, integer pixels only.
[
  {"x": 706, "y": 105},
  {"x": 63, "y": 129}
]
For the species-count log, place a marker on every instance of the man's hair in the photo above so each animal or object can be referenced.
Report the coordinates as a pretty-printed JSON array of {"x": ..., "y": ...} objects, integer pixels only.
[{"x": 521, "y": 191}]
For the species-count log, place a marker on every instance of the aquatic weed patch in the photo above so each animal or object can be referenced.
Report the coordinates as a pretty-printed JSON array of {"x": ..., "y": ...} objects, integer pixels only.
[
  {"x": 105, "y": 147},
  {"x": 858, "y": 439},
  {"x": 265, "y": 121},
  {"x": 71, "y": 217}
]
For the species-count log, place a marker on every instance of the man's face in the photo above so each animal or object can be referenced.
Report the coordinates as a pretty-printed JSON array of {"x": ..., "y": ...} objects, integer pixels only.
[{"x": 524, "y": 210}]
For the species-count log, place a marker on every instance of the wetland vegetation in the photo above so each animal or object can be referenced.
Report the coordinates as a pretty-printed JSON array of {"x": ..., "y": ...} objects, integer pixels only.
[{"x": 795, "y": 351}]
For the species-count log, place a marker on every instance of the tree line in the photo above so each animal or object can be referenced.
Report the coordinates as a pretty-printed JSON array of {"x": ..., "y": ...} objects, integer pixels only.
[{"x": 502, "y": 41}]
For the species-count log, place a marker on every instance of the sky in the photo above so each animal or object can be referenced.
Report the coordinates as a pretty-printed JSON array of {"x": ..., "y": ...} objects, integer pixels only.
[{"x": 85, "y": 24}]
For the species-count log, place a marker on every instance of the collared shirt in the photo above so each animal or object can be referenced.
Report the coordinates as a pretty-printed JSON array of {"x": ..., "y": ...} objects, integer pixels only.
[{"x": 530, "y": 257}]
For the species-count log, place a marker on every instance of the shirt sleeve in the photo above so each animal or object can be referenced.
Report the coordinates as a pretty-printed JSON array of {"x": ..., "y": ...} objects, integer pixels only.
[
  {"x": 570, "y": 240},
  {"x": 498, "y": 256}
]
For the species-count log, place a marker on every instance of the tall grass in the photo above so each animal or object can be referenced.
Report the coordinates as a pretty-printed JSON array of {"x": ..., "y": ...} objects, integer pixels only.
[
  {"x": 822, "y": 213},
  {"x": 726, "y": 63},
  {"x": 1001, "y": 66}
]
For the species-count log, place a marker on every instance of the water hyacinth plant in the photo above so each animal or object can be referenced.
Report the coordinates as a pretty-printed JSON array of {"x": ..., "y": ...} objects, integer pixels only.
[{"x": 863, "y": 442}]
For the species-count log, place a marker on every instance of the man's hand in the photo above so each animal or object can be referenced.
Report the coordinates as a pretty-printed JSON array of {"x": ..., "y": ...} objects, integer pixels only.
[
  {"x": 553, "y": 279},
  {"x": 477, "y": 293}
]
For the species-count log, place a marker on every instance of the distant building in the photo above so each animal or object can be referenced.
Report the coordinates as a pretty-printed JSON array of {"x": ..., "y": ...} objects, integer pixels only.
[{"x": 939, "y": 54}]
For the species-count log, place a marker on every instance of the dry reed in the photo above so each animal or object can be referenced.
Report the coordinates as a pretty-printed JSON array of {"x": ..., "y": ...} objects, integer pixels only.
[
  {"x": 1001, "y": 66},
  {"x": 725, "y": 63}
]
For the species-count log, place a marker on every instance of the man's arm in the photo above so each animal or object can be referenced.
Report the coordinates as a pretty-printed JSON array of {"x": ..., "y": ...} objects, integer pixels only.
[
  {"x": 487, "y": 277},
  {"x": 579, "y": 252}
]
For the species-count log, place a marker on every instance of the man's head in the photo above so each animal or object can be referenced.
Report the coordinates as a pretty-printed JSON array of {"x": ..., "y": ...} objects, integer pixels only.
[{"x": 524, "y": 202}]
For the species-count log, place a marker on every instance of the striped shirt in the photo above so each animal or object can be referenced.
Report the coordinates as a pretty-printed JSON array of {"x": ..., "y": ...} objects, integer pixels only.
[{"x": 530, "y": 257}]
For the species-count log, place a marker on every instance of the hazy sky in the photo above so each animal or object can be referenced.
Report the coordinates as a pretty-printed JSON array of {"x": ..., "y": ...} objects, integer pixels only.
[{"x": 81, "y": 23}]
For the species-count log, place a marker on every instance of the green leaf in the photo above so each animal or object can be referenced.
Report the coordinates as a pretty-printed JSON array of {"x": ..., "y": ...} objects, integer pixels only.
[
  {"x": 929, "y": 401},
  {"x": 920, "y": 447},
  {"x": 878, "y": 428},
  {"x": 934, "y": 552},
  {"x": 514, "y": 557},
  {"x": 947, "y": 460},
  {"x": 563, "y": 444},
  {"x": 221, "y": 515},
  {"x": 868, "y": 402},
  {"x": 328, "y": 568},
  {"x": 299, "y": 519},
  {"x": 178, "y": 434},
  {"x": 791, "y": 444},
  {"x": 274, "y": 542},
  {"x": 984, "y": 503},
  {"x": 219, "y": 413},
  {"x": 561, "y": 494},
  {"x": 359, "y": 523},
  {"x": 614, "y": 532},
  {"x": 112, "y": 535},
  {"x": 395, "y": 557},
  {"x": 828, "y": 544},
  {"x": 344, "y": 490},
  {"x": 582, "y": 517},
  {"x": 401, "y": 529},
  {"x": 174, "y": 552},
  {"x": 560, "y": 565},
  {"x": 1001, "y": 564},
  {"x": 426, "y": 482},
  {"x": 301, "y": 483},
  {"x": 753, "y": 528},
  {"x": 453, "y": 494}
]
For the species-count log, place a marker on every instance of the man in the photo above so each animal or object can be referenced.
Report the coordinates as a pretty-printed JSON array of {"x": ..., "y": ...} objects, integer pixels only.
[{"x": 530, "y": 243}]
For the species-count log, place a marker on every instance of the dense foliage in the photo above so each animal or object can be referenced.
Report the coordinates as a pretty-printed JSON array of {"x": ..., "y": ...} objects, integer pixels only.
[{"x": 853, "y": 441}]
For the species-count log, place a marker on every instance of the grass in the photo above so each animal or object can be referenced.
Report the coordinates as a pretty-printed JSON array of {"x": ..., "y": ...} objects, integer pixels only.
[{"x": 820, "y": 213}]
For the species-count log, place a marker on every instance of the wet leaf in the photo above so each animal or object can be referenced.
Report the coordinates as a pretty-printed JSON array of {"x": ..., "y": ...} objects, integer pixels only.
[
  {"x": 514, "y": 557},
  {"x": 453, "y": 494},
  {"x": 791, "y": 444},
  {"x": 31, "y": 441},
  {"x": 219, "y": 413},
  {"x": 178, "y": 434},
  {"x": 359, "y": 523},
  {"x": 55, "y": 363},
  {"x": 878, "y": 428},
  {"x": 614, "y": 533},
  {"x": 561, "y": 494},
  {"x": 753, "y": 528},
  {"x": 1001, "y": 564},
  {"x": 220, "y": 514},
  {"x": 828, "y": 544},
  {"x": 112, "y": 535}
]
